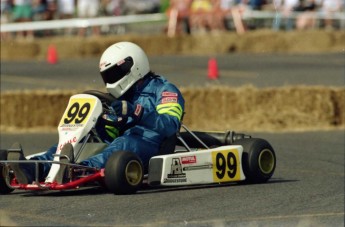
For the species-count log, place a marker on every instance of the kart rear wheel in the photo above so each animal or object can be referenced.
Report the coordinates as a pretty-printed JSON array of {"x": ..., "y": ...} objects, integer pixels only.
[
  {"x": 5, "y": 176},
  {"x": 258, "y": 160},
  {"x": 124, "y": 173}
]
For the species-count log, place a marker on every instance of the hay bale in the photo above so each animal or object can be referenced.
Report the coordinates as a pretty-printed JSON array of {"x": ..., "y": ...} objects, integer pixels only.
[
  {"x": 204, "y": 44},
  {"x": 207, "y": 108},
  {"x": 19, "y": 50}
]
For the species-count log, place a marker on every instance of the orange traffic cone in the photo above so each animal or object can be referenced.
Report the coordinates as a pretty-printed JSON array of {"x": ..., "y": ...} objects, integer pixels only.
[
  {"x": 52, "y": 57},
  {"x": 213, "y": 69}
]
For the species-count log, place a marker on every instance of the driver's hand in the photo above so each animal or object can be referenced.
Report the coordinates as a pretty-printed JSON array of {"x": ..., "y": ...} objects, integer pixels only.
[
  {"x": 125, "y": 109},
  {"x": 113, "y": 120},
  {"x": 109, "y": 126}
]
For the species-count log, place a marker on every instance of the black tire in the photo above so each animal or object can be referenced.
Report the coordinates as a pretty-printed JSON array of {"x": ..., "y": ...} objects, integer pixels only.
[
  {"x": 4, "y": 175},
  {"x": 124, "y": 173},
  {"x": 258, "y": 160}
]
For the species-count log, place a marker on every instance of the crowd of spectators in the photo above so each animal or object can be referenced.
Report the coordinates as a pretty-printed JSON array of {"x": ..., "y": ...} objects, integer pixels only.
[
  {"x": 221, "y": 15},
  {"x": 306, "y": 13},
  {"x": 188, "y": 16},
  {"x": 40, "y": 10}
]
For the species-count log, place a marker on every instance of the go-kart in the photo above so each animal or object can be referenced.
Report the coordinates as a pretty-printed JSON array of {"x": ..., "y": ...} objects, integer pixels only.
[{"x": 187, "y": 158}]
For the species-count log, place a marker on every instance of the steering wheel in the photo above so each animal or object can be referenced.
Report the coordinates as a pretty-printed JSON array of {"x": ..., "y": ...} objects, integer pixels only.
[{"x": 105, "y": 98}]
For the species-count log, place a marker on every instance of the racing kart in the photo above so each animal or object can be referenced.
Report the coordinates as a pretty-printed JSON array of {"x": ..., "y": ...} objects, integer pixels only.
[{"x": 187, "y": 158}]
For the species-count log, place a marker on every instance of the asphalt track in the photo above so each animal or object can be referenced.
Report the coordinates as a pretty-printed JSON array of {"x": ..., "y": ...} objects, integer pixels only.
[
  {"x": 307, "y": 188},
  {"x": 260, "y": 70}
]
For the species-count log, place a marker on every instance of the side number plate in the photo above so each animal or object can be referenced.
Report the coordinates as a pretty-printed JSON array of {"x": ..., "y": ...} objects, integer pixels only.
[{"x": 226, "y": 166}]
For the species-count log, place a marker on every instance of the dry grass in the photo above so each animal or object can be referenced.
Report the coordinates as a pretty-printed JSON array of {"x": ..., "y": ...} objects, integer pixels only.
[{"x": 255, "y": 42}]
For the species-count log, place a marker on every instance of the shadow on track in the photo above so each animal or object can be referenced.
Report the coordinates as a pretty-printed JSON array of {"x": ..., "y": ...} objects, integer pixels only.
[
  {"x": 98, "y": 190},
  {"x": 149, "y": 189}
]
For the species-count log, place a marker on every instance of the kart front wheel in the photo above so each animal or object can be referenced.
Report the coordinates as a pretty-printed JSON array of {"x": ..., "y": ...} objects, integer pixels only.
[
  {"x": 5, "y": 176},
  {"x": 258, "y": 160},
  {"x": 123, "y": 173}
]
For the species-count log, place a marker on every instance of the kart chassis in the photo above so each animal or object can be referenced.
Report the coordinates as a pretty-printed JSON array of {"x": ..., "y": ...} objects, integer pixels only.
[{"x": 188, "y": 147}]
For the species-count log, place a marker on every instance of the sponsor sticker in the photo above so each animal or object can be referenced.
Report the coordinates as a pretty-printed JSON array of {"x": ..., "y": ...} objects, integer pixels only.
[
  {"x": 176, "y": 174},
  {"x": 70, "y": 127},
  {"x": 188, "y": 159},
  {"x": 138, "y": 109},
  {"x": 72, "y": 140},
  {"x": 180, "y": 180},
  {"x": 169, "y": 100},
  {"x": 171, "y": 94}
]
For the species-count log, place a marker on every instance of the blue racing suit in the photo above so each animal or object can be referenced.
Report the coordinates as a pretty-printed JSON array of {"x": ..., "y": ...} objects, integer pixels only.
[{"x": 163, "y": 107}]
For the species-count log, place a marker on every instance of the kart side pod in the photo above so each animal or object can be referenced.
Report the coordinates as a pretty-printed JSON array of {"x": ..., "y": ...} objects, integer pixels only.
[{"x": 222, "y": 164}]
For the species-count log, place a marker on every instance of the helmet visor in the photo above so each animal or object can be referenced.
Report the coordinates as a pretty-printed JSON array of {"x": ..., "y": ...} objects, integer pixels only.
[{"x": 117, "y": 71}]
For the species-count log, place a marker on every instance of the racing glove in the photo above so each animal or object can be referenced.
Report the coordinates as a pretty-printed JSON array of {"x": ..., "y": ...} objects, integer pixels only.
[
  {"x": 109, "y": 127},
  {"x": 125, "y": 109}
]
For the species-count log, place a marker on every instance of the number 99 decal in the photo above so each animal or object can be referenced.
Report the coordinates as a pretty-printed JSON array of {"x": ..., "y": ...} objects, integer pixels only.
[
  {"x": 77, "y": 111},
  {"x": 226, "y": 166}
]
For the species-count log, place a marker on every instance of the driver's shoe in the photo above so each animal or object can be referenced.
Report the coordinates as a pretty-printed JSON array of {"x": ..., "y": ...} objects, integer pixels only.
[
  {"x": 66, "y": 156},
  {"x": 21, "y": 172}
]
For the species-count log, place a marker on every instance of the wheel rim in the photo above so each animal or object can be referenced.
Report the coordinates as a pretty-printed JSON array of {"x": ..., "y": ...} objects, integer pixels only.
[
  {"x": 6, "y": 176},
  {"x": 134, "y": 172},
  {"x": 266, "y": 161}
]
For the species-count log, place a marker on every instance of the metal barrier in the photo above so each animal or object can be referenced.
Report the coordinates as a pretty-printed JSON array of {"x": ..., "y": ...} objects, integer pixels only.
[
  {"x": 128, "y": 19},
  {"x": 255, "y": 14},
  {"x": 81, "y": 23}
]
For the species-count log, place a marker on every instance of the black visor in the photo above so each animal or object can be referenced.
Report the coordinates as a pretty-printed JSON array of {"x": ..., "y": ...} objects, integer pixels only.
[{"x": 117, "y": 71}]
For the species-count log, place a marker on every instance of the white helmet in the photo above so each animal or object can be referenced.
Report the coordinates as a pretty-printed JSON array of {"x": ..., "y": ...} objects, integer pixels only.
[{"x": 121, "y": 65}]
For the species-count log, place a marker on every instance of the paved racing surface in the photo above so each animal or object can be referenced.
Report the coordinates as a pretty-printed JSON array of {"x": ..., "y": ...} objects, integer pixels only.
[
  {"x": 307, "y": 188},
  {"x": 262, "y": 70}
]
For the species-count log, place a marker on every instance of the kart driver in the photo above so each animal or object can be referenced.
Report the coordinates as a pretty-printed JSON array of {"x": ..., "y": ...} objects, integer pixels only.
[{"x": 148, "y": 110}]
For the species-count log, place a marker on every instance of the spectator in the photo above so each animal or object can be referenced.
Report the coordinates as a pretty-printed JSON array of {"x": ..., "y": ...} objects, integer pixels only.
[
  {"x": 112, "y": 8},
  {"x": 39, "y": 12},
  {"x": 256, "y": 4},
  {"x": 218, "y": 16},
  {"x": 235, "y": 8},
  {"x": 179, "y": 17},
  {"x": 328, "y": 8},
  {"x": 284, "y": 10},
  {"x": 217, "y": 20},
  {"x": 49, "y": 14},
  {"x": 201, "y": 15},
  {"x": 39, "y": 9},
  {"x": 51, "y": 9},
  {"x": 5, "y": 15},
  {"x": 237, "y": 15},
  {"x": 22, "y": 12},
  {"x": 142, "y": 6},
  {"x": 88, "y": 9},
  {"x": 66, "y": 10},
  {"x": 164, "y": 6},
  {"x": 226, "y": 7},
  {"x": 306, "y": 18}
]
